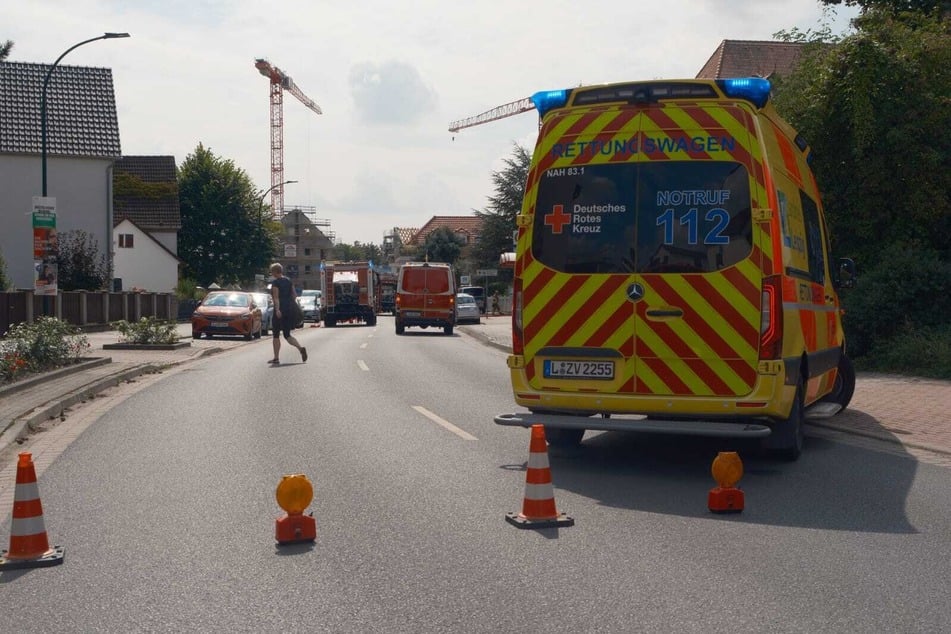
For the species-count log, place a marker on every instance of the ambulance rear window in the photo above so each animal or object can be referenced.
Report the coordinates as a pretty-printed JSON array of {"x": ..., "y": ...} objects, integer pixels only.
[{"x": 658, "y": 217}]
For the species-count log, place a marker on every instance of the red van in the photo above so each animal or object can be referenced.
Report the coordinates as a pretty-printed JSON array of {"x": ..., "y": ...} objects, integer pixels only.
[{"x": 425, "y": 296}]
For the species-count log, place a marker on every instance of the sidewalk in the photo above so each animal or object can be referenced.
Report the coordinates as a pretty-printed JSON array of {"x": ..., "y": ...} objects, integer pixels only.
[
  {"x": 909, "y": 411},
  {"x": 29, "y": 402}
]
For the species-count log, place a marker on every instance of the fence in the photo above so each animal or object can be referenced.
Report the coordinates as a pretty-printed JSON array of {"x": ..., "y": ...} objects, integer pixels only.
[{"x": 87, "y": 309}]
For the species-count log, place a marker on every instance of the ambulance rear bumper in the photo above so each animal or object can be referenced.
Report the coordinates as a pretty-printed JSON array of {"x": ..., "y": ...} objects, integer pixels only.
[{"x": 710, "y": 428}]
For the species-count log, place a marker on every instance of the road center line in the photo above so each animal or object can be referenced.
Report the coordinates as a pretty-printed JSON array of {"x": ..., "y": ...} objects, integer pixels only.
[
  {"x": 444, "y": 423},
  {"x": 362, "y": 365}
]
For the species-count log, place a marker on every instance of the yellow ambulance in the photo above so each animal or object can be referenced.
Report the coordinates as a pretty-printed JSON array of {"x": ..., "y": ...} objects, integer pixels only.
[{"x": 672, "y": 268}]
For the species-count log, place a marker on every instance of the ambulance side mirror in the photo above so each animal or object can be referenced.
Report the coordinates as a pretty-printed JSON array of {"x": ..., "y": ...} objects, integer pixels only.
[{"x": 845, "y": 273}]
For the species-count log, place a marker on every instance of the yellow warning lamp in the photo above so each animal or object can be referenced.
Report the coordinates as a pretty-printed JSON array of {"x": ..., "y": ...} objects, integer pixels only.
[
  {"x": 294, "y": 494},
  {"x": 727, "y": 470}
]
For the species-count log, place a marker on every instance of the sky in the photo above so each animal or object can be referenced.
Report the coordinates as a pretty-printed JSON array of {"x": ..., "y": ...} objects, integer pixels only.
[{"x": 389, "y": 77}]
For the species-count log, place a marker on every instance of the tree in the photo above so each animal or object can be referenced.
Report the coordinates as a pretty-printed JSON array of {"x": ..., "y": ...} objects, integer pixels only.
[
  {"x": 443, "y": 245},
  {"x": 80, "y": 264},
  {"x": 498, "y": 220},
  {"x": 895, "y": 6},
  {"x": 225, "y": 237},
  {"x": 5, "y": 49},
  {"x": 875, "y": 110},
  {"x": 358, "y": 252}
]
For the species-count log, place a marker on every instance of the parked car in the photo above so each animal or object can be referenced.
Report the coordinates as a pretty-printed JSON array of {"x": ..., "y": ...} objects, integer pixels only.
[
  {"x": 478, "y": 292},
  {"x": 266, "y": 304},
  {"x": 467, "y": 309},
  {"x": 227, "y": 313},
  {"x": 310, "y": 306}
]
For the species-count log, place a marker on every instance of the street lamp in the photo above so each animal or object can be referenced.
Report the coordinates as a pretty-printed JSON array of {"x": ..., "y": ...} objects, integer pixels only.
[
  {"x": 269, "y": 190},
  {"x": 46, "y": 83}
]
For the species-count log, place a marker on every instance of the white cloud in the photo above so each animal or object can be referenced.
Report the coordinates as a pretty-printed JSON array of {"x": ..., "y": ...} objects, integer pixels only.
[{"x": 389, "y": 77}]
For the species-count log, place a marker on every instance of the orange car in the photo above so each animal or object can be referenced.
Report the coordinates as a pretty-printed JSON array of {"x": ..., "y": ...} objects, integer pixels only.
[{"x": 227, "y": 313}]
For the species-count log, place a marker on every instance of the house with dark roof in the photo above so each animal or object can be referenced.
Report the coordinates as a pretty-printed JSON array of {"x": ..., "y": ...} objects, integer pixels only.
[
  {"x": 751, "y": 58},
  {"x": 82, "y": 144},
  {"x": 146, "y": 220}
]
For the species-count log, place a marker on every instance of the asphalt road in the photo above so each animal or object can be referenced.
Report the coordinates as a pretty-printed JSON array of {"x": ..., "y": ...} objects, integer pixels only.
[{"x": 166, "y": 509}]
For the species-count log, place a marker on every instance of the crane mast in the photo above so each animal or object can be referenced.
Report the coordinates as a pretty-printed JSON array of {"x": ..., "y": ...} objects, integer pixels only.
[
  {"x": 499, "y": 112},
  {"x": 279, "y": 82}
]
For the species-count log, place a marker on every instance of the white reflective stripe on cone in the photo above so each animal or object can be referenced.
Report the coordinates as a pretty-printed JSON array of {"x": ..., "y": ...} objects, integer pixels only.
[
  {"x": 26, "y": 492},
  {"x": 539, "y": 491},
  {"x": 538, "y": 460},
  {"x": 21, "y": 527}
]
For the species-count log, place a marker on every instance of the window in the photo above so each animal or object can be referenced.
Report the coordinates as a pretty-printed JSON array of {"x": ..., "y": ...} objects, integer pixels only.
[
  {"x": 125, "y": 240},
  {"x": 810, "y": 216},
  {"x": 659, "y": 217}
]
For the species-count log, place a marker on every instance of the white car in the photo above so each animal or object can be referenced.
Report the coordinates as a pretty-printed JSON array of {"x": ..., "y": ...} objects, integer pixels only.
[{"x": 467, "y": 310}]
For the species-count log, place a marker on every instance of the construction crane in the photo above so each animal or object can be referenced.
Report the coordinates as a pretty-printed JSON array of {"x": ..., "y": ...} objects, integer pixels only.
[
  {"x": 499, "y": 112},
  {"x": 279, "y": 83}
]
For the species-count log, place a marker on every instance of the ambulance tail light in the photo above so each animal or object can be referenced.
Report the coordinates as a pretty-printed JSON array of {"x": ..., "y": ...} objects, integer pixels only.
[
  {"x": 771, "y": 320},
  {"x": 518, "y": 339}
]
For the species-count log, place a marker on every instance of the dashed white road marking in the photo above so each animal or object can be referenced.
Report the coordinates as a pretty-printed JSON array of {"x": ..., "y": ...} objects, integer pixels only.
[
  {"x": 444, "y": 423},
  {"x": 363, "y": 346},
  {"x": 363, "y": 366}
]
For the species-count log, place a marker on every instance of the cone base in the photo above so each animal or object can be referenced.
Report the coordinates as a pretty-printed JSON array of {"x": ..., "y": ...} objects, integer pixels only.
[
  {"x": 520, "y": 521},
  {"x": 293, "y": 529},
  {"x": 52, "y": 557},
  {"x": 723, "y": 500}
]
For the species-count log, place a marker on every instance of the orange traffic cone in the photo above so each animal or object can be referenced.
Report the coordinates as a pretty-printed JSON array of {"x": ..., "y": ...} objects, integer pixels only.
[
  {"x": 29, "y": 547},
  {"x": 538, "y": 507}
]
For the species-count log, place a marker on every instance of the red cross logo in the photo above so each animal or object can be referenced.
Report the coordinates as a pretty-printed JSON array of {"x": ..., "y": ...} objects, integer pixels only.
[{"x": 557, "y": 218}]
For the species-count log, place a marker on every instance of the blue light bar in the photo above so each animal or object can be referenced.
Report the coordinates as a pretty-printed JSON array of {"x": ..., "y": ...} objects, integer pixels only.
[
  {"x": 754, "y": 89},
  {"x": 546, "y": 100}
]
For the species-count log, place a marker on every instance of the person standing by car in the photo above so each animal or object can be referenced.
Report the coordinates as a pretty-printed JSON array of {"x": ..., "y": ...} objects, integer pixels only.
[{"x": 285, "y": 300}]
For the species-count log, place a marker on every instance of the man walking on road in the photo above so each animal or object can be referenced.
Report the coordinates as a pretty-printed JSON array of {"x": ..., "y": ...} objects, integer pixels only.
[{"x": 284, "y": 296}]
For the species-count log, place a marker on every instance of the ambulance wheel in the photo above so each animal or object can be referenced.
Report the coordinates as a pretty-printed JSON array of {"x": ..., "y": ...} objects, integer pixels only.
[
  {"x": 788, "y": 435},
  {"x": 844, "y": 386},
  {"x": 561, "y": 437}
]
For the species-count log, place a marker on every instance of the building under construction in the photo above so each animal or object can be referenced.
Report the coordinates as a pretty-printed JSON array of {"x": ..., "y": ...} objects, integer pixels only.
[{"x": 302, "y": 246}]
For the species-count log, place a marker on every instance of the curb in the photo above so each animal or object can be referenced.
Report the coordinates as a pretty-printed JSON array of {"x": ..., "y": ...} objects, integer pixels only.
[
  {"x": 45, "y": 377},
  {"x": 883, "y": 437},
  {"x": 57, "y": 406}
]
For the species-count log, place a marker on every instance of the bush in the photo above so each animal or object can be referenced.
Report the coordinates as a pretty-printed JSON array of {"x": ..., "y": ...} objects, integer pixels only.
[
  {"x": 45, "y": 344},
  {"x": 924, "y": 352},
  {"x": 148, "y": 330},
  {"x": 907, "y": 292}
]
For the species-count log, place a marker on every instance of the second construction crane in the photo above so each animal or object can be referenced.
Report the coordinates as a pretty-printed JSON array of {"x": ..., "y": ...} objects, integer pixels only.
[{"x": 279, "y": 83}]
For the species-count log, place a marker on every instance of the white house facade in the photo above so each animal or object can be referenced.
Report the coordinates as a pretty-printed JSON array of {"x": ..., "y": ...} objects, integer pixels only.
[
  {"x": 140, "y": 261},
  {"x": 82, "y": 144}
]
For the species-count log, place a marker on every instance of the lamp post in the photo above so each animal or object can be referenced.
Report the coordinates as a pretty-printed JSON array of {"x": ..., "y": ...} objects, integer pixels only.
[
  {"x": 268, "y": 191},
  {"x": 46, "y": 83}
]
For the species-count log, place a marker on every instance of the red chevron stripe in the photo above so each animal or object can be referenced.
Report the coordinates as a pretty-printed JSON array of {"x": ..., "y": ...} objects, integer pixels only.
[
  {"x": 683, "y": 351},
  {"x": 724, "y": 307},
  {"x": 747, "y": 289},
  {"x": 661, "y": 369},
  {"x": 580, "y": 316},
  {"x": 554, "y": 305},
  {"x": 712, "y": 338},
  {"x": 615, "y": 322}
]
